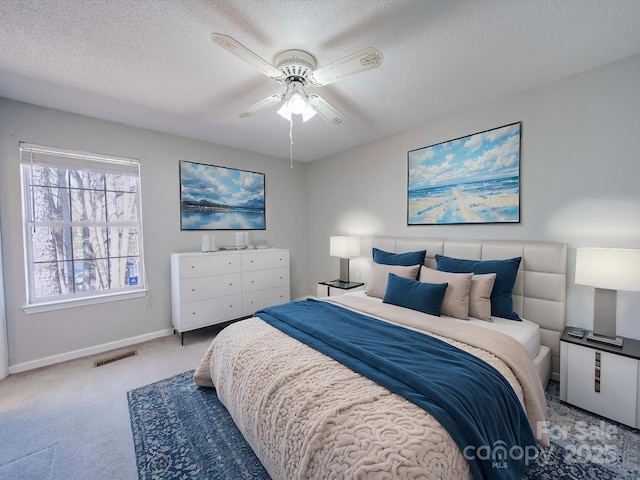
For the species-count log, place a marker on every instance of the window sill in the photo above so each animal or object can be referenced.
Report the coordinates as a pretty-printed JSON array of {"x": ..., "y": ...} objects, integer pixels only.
[{"x": 82, "y": 302}]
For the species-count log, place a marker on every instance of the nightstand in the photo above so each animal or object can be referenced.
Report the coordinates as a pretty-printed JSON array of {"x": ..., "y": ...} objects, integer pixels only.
[
  {"x": 601, "y": 378},
  {"x": 336, "y": 287}
]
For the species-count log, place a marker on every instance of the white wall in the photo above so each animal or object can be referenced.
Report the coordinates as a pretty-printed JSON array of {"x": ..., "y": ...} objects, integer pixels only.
[
  {"x": 580, "y": 176},
  {"x": 52, "y": 335},
  {"x": 4, "y": 358}
]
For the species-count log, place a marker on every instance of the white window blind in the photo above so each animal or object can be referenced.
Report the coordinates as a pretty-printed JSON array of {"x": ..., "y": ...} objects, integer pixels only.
[{"x": 82, "y": 224}]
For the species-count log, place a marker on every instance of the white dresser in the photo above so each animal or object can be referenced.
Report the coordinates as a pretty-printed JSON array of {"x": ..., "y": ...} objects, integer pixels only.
[{"x": 210, "y": 288}]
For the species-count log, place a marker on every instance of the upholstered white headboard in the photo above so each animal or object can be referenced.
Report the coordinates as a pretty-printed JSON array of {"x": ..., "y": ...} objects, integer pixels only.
[{"x": 540, "y": 291}]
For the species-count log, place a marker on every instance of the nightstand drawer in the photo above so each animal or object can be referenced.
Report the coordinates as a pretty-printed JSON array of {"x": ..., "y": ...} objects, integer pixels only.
[{"x": 602, "y": 382}]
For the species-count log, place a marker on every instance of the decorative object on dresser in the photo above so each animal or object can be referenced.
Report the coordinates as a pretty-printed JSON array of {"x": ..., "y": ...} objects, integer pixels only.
[
  {"x": 608, "y": 270},
  {"x": 345, "y": 248},
  {"x": 212, "y": 288},
  {"x": 600, "y": 377}
]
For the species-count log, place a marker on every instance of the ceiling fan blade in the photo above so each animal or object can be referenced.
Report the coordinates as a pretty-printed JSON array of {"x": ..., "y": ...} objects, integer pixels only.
[
  {"x": 251, "y": 110},
  {"x": 355, "y": 63},
  {"x": 247, "y": 55},
  {"x": 326, "y": 111}
]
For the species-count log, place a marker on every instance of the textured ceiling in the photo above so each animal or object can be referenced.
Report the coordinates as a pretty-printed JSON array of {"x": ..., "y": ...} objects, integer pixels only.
[{"x": 152, "y": 64}]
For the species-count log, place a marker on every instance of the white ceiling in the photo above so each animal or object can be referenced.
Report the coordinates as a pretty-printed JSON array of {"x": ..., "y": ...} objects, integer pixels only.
[{"x": 152, "y": 64}]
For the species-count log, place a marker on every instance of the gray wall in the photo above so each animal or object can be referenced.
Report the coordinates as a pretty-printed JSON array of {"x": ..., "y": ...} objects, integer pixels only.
[
  {"x": 34, "y": 337},
  {"x": 580, "y": 175}
]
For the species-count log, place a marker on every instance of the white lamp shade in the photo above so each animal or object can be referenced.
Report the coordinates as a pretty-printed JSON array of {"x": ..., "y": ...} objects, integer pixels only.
[
  {"x": 344, "y": 247},
  {"x": 609, "y": 268}
]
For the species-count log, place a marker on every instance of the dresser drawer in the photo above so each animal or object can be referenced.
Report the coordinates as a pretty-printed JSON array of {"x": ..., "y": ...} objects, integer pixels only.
[
  {"x": 261, "y": 279},
  {"x": 209, "y": 312},
  {"x": 204, "y": 265},
  {"x": 202, "y": 288},
  {"x": 253, "y": 301},
  {"x": 264, "y": 260}
]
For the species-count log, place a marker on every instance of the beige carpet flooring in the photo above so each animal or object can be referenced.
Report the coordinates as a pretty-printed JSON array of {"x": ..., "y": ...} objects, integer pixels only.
[{"x": 71, "y": 420}]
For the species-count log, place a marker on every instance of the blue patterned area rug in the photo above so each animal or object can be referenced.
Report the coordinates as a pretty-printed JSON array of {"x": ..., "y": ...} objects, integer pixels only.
[
  {"x": 182, "y": 431},
  {"x": 584, "y": 445}
]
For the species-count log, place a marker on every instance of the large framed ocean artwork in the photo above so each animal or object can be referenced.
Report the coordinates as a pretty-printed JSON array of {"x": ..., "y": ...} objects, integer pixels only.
[
  {"x": 221, "y": 198},
  {"x": 472, "y": 179}
]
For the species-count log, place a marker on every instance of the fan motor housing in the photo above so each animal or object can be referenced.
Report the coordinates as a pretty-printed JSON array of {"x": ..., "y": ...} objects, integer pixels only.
[{"x": 296, "y": 64}]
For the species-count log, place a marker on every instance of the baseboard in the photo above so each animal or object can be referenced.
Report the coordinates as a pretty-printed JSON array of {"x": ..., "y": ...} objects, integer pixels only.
[{"x": 84, "y": 352}]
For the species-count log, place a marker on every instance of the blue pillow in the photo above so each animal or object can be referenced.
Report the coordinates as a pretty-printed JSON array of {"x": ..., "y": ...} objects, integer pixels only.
[
  {"x": 505, "y": 270},
  {"x": 421, "y": 296},
  {"x": 404, "y": 259}
]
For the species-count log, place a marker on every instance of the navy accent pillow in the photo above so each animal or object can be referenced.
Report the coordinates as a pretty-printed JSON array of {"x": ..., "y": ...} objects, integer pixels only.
[
  {"x": 404, "y": 259},
  {"x": 421, "y": 296},
  {"x": 505, "y": 270}
]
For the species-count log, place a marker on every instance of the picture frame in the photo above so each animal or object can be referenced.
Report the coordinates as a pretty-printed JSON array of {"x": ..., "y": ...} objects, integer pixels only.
[
  {"x": 468, "y": 180},
  {"x": 213, "y": 197}
]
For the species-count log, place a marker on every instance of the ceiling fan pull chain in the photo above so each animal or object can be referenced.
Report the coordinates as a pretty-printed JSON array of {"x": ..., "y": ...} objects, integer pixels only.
[{"x": 291, "y": 138}]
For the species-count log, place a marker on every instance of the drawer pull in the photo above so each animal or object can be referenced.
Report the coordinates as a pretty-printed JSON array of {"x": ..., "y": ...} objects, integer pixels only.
[
  {"x": 597, "y": 373},
  {"x": 193, "y": 289}
]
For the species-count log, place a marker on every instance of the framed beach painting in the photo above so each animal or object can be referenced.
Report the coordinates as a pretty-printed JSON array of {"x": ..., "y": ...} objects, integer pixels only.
[
  {"x": 472, "y": 179},
  {"x": 221, "y": 198}
]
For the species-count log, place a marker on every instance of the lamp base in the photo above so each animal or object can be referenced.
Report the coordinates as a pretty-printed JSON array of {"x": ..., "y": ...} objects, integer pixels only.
[
  {"x": 344, "y": 270},
  {"x": 615, "y": 341}
]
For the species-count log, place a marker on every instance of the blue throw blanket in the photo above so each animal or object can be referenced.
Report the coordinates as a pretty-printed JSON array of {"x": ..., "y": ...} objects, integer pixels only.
[{"x": 469, "y": 398}]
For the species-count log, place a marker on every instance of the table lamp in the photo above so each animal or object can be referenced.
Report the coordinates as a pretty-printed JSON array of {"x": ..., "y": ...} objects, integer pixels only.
[
  {"x": 608, "y": 270},
  {"x": 345, "y": 248}
]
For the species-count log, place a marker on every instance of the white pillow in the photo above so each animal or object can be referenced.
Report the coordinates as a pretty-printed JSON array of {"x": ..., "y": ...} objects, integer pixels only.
[
  {"x": 456, "y": 299},
  {"x": 480, "y": 296},
  {"x": 377, "y": 284}
]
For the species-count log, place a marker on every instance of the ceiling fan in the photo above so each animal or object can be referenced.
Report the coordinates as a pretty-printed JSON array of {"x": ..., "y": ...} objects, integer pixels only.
[{"x": 295, "y": 70}]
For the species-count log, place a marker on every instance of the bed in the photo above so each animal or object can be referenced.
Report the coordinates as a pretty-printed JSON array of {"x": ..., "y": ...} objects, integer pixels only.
[{"x": 307, "y": 415}]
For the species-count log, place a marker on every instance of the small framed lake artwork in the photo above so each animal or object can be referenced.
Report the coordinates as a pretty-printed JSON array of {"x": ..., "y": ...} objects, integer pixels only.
[
  {"x": 221, "y": 198},
  {"x": 468, "y": 180}
]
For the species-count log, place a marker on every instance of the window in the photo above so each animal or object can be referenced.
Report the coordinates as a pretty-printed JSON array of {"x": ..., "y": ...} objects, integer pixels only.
[{"x": 82, "y": 225}]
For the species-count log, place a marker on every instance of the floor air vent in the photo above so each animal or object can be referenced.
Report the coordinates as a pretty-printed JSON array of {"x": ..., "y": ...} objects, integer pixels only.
[{"x": 106, "y": 361}]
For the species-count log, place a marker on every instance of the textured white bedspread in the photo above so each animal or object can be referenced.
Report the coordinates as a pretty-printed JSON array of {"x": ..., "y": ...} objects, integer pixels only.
[{"x": 307, "y": 416}]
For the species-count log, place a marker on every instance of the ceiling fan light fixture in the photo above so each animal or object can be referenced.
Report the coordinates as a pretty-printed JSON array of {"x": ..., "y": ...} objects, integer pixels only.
[{"x": 296, "y": 103}]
